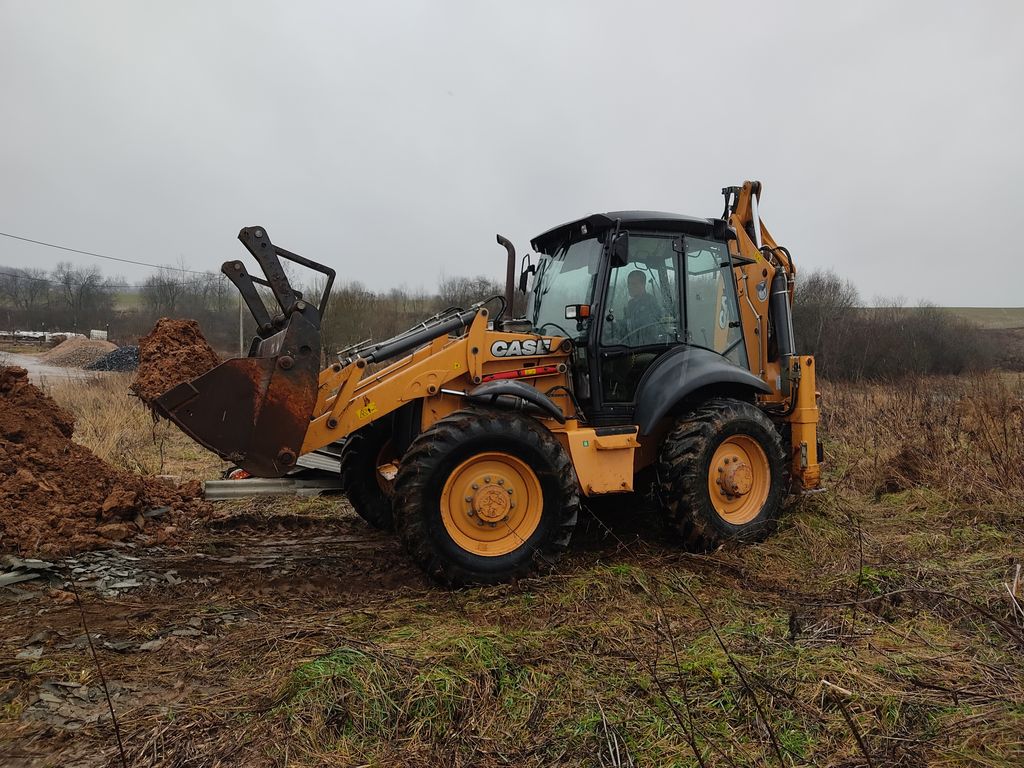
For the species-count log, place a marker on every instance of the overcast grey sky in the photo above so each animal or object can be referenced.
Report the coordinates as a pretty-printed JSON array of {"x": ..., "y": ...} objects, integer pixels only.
[{"x": 393, "y": 140}]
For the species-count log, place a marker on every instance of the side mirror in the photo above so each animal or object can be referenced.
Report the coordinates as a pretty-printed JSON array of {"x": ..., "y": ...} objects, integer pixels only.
[
  {"x": 620, "y": 250},
  {"x": 528, "y": 269}
]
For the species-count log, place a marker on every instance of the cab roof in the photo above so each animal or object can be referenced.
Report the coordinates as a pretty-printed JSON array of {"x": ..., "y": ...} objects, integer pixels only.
[{"x": 647, "y": 220}]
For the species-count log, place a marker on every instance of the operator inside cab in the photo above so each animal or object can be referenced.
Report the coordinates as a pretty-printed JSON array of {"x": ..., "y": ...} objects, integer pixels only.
[{"x": 642, "y": 313}]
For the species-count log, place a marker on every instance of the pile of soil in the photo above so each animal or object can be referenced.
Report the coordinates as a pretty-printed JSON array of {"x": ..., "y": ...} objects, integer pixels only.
[
  {"x": 77, "y": 352},
  {"x": 175, "y": 351},
  {"x": 57, "y": 497}
]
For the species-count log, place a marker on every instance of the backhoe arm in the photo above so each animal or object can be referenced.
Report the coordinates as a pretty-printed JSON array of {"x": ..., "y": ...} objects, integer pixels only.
[{"x": 766, "y": 281}]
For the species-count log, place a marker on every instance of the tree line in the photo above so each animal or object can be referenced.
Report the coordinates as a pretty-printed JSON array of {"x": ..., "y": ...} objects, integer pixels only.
[
  {"x": 888, "y": 339},
  {"x": 850, "y": 340},
  {"x": 80, "y": 299}
]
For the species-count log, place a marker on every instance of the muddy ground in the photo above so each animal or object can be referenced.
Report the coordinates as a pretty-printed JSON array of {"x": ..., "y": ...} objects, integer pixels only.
[
  {"x": 236, "y": 590},
  {"x": 198, "y": 627}
]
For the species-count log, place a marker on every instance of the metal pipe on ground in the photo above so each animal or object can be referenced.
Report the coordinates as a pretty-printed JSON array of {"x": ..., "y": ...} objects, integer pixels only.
[{"x": 222, "y": 490}]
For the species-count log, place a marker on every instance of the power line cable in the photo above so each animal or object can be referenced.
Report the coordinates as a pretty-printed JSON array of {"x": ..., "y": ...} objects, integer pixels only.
[{"x": 100, "y": 255}]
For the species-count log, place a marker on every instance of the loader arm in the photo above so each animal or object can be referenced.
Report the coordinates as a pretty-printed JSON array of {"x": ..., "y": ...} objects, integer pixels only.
[{"x": 265, "y": 410}]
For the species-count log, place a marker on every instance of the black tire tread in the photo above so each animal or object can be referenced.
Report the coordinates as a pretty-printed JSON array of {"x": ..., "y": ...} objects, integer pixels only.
[
  {"x": 682, "y": 478},
  {"x": 358, "y": 465},
  {"x": 425, "y": 456}
]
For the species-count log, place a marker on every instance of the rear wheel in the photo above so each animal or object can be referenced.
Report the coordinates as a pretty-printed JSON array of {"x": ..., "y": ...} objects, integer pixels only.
[
  {"x": 485, "y": 496},
  {"x": 721, "y": 474},
  {"x": 367, "y": 475}
]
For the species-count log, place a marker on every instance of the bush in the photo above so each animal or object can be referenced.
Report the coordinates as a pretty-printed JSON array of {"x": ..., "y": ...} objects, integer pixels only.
[{"x": 886, "y": 341}]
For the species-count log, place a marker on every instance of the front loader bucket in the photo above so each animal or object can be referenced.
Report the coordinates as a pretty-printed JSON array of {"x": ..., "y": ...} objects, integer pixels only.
[{"x": 255, "y": 411}]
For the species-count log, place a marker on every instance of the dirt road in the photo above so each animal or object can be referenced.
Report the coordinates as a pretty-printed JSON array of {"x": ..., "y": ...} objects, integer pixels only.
[{"x": 39, "y": 372}]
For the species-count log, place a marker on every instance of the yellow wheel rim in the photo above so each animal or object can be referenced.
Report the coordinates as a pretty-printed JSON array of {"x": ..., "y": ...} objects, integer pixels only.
[
  {"x": 739, "y": 479},
  {"x": 491, "y": 504},
  {"x": 387, "y": 468}
]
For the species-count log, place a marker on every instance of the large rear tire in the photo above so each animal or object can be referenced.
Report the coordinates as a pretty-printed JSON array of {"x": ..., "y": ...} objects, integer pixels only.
[
  {"x": 721, "y": 475},
  {"x": 367, "y": 489},
  {"x": 485, "y": 496}
]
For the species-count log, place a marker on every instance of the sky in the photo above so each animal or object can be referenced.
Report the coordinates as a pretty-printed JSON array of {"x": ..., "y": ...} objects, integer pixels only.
[{"x": 393, "y": 140}]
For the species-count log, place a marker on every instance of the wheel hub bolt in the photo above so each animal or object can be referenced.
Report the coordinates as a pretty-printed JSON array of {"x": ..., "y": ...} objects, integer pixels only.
[
  {"x": 469, "y": 498},
  {"x": 487, "y": 479},
  {"x": 501, "y": 481},
  {"x": 476, "y": 487},
  {"x": 511, "y": 505},
  {"x": 509, "y": 491}
]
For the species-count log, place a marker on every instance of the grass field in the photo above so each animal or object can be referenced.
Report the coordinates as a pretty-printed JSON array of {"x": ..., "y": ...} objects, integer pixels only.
[
  {"x": 991, "y": 317},
  {"x": 880, "y": 626}
]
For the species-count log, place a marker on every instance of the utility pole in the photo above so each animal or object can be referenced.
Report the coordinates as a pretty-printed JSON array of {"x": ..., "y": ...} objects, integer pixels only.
[{"x": 241, "y": 336}]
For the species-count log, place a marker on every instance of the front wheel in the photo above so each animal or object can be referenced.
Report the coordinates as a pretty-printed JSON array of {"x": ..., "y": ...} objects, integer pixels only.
[
  {"x": 721, "y": 474},
  {"x": 366, "y": 468},
  {"x": 485, "y": 496}
]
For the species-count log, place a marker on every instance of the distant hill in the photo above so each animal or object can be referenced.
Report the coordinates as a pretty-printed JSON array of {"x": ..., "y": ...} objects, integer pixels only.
[
  {"x": 991, "y": 317},
  {"x": 1005, "y": 328}
]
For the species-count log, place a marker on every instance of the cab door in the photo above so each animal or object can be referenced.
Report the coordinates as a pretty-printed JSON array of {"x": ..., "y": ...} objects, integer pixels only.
[
  {"x": 641, "y": 318},
  {"x": 712, "y": 314}
]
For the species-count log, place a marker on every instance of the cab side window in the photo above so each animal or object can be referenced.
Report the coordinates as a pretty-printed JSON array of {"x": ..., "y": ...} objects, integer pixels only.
[
  {"x": 642, "y": 304},
  {"x": 642, "y": 318},
  {"x": 712, "y": 316}
]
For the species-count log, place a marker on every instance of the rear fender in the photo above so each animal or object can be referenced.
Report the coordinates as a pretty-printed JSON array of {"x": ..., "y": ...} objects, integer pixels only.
[{"x": 682, "y": 372}]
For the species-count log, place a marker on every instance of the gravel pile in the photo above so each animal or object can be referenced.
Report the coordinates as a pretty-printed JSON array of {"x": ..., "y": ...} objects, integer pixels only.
[
  {"x": 121, "y": 359},
  {"x": 77, "y": 353}
]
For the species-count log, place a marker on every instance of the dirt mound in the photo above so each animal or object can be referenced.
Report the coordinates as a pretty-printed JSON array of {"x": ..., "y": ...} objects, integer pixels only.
[
  {"x": 57, "y": 497},
  {"x": 175, "y": 351},
  {"x": 77, "y": 352}
]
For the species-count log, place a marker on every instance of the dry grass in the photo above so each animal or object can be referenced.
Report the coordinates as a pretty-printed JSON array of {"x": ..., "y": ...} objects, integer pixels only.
[
  {"x": 22, "y": 348},
  {"x": 961, "y": 439},
  {"x": 118, "y": 428}
]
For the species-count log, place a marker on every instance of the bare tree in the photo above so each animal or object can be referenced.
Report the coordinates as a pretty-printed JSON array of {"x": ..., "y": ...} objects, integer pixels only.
[
  {"x": 466, "y": 291},
  {"x": 162, "y": 292},
  {"x": 82, "y": 293},
  {"x": 26, "y": 294}
]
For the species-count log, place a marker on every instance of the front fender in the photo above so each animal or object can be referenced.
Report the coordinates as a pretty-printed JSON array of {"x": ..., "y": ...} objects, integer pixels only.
[
  {"x": 514, "y": 394},
  {"x": 680, "y": 373}
]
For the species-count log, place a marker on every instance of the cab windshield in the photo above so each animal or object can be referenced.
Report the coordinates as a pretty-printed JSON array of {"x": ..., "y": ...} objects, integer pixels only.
[{"x": 567, "y": 277}]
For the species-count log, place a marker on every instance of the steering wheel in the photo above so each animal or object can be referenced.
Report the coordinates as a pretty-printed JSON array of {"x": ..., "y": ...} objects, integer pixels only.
[{"x": 635, "y": 333}]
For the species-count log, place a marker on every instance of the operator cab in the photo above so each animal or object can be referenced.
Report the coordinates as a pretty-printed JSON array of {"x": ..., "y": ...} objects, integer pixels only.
[{"x": 628, "y": 287}]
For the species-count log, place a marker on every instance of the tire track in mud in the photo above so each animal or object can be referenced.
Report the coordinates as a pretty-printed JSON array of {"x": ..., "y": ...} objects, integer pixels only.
[{"x": 163, "y": 618}]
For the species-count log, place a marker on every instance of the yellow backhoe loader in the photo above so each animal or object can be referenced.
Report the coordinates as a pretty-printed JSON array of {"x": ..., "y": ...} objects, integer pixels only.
[{"x": 652, "y": 343}]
